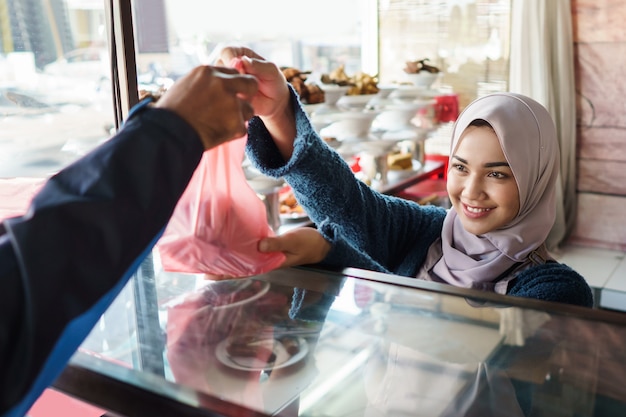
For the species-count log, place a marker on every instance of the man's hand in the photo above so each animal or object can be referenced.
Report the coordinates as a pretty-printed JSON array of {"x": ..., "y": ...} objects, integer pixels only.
[{"x": 215, "y": 101}]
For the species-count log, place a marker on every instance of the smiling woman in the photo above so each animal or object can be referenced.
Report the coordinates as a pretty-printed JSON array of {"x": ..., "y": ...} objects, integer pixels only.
[
  {"x": 492, "y": 239},
  {"x": 481, "y": 185}
]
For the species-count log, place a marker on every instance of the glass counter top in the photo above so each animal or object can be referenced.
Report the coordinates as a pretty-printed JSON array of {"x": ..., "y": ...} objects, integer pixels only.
[{"x": 304, "y": 342}]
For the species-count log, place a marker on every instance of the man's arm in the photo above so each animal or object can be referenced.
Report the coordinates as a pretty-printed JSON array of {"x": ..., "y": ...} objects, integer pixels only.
[
  {"x": 83, "y": 236},
  {"x": 88, "y": 229}
]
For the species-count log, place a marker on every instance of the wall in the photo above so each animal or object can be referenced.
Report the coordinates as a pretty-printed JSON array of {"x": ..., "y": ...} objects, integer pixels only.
[{"x": 600, "y": 54}]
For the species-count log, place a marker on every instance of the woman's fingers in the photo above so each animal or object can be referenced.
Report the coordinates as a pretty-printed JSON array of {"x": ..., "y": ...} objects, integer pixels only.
[
  {"x": 301, "y": 246},
  {"x": 230, "y": 52}
]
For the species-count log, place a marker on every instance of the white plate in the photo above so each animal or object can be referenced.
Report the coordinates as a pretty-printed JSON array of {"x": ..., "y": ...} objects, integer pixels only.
[
  {"x": 400, "y": 174},
  {"x": 348, "y": 125},
  {"x": 250, "y": 363}
]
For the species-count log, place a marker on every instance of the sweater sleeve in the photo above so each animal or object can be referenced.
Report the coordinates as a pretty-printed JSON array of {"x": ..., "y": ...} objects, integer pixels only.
[
  {"x": 83, "y": 236},
  {"x": 552, "y": 281},
  {"x": 366, "y": 229}
]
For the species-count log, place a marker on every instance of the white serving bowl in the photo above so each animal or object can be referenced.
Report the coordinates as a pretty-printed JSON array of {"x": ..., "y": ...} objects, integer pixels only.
[
  {"x": 398, "y": 116},
  {"x": 422, "y": 79},
  {"x": 382, "y": 97},
  {"x": 405, "y": 92},
  {"x": 385, "y": 90},
  {"x": 333, "y": 92},
  {"x": 350, "y": 125},
  {"x": 355, "y": 102}
]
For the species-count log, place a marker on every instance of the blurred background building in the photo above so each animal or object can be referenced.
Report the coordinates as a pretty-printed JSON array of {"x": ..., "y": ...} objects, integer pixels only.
[
  {"x": 38, "y": 26},
  {"x": 52, "y": 28}
]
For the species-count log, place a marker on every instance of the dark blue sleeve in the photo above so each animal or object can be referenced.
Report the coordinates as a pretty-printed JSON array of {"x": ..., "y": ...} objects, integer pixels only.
[
  {"x": 84, "y": 235},
  {"x": 552, "y": 281}
]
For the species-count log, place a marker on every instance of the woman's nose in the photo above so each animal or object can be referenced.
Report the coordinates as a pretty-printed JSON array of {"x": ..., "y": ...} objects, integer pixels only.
[{"x": 473, "y": 188}]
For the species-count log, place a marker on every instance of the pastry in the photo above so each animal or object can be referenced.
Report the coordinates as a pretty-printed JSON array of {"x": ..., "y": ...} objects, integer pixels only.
[{"x": 400, "y": 161}]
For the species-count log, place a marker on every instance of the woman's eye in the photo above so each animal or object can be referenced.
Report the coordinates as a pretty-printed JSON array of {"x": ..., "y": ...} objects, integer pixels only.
[
  {"x": 498, "y": 175},
  {"x": 459, "y": 167}
]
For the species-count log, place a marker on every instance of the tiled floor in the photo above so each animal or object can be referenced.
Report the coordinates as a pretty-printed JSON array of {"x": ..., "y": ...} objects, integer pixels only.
[{"x": 604, "y": 270}]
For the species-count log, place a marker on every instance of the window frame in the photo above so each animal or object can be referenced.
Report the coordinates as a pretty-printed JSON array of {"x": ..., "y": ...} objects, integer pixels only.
[{"x": 121, "y": 45}]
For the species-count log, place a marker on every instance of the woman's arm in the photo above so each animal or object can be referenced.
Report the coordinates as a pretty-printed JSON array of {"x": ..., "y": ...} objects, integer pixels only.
[
  {"x": 552, "y": 281},
  {"x": 376, "y": 231}
]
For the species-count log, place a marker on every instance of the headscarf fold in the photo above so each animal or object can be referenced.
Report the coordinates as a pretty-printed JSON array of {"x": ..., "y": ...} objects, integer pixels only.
[{"x": 528, "y": 138}]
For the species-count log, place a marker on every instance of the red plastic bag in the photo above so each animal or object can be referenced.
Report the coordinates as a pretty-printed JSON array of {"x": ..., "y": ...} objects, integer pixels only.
[{"x": 218, "y": 221}]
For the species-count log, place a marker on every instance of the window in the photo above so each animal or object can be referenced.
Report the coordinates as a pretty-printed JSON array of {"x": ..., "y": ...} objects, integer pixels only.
[
  {"x": 56, "y": 100},
  {"x": 175, "y": 35},
  {"x": 55, "y": 84},
  {"x": 466, "y": 39}
]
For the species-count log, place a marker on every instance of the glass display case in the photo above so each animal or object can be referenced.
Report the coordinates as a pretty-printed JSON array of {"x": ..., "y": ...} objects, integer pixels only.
[
  {"x": 306, "y": 342},
  {"x": 300, "y": 341}
]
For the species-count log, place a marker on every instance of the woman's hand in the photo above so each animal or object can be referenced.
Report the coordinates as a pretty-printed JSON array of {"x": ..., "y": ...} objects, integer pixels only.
[
  {"x": 302, "y": 246},
  {"x": 272, "y": 102},
  {"x": 273, "y": 95}
]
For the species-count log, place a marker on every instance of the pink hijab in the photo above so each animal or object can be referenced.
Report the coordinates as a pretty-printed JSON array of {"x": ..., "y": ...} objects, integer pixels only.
[{"x": 528, "y": 138}]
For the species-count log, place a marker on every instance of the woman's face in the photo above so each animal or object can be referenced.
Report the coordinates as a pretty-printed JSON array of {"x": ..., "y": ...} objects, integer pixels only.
[{"x": 480, "y": 184}]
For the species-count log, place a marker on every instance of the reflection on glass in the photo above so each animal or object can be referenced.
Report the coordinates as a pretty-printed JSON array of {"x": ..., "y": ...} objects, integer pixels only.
[
  {"x": 349, "y": 347},
  {"x": 55, "y": 85}
]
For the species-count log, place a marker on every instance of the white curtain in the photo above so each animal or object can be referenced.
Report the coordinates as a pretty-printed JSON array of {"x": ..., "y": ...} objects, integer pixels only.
[{"x": 542, "y": 67}]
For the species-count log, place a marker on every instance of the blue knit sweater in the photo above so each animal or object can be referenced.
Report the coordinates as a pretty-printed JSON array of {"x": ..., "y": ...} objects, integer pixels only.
[{"x": 377, "y": 232}]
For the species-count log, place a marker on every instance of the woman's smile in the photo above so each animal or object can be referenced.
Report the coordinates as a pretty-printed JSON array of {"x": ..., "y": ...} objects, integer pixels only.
[{"x": 476, "y": 212}]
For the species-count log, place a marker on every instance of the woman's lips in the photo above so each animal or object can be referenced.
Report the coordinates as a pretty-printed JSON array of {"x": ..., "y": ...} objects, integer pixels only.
[{"x": 474, "y": 212}]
